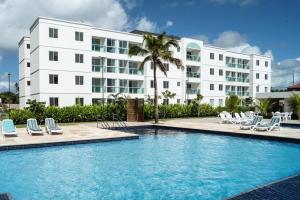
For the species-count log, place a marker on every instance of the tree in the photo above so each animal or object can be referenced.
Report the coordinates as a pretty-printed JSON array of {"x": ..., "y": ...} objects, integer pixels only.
[
  {"x": 294, "y": 103},
  {"x": 168, "y": 94},
  {"x": 156, "y": 49},
  {"x": 197, "y": 102},
  {"x": 37, "y": 108},
  {"x": 263, "y": 106},
  {"x": 232, "y": 102},
  {"x": 9, "y": 97},
  {"x": 248, "y": 101}
]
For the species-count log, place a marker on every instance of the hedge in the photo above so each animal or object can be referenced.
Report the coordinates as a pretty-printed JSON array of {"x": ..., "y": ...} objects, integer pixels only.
[{"x": 90, "y": 112}]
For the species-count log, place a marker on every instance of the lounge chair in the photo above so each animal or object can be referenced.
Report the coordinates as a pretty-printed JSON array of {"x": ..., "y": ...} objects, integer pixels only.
[
  {"x": 273, "y": 124},
  {"x": 52, "y": 127},
  {"x": 33, "y": 127},
  {"x": 225, "y": 119},
  {"x": 8, "y": 127},
  {"x": 252, "y": 124},
  {"x": 239, "y": 119}
]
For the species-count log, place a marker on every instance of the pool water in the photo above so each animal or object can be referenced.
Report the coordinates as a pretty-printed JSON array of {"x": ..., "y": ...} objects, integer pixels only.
[{"x": 168, "y": 165}]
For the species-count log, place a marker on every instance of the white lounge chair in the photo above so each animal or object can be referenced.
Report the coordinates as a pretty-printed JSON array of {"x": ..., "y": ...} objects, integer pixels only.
[
  {"x": 252, "y": 124},
  {"x": 52, "y": 127},
  {"x": 273, "y": 124},
  {"x": 8, "y": 127},
  {"x": 33, "y": 127},
  {"x": 225, "y": 119}
]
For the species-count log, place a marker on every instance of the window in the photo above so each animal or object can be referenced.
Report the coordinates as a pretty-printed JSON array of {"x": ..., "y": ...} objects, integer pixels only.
[
  {"x": 152, "y": 65},
  {"x": 53, "y": 78},
  {"x": 78, "y": 58},
  {"x": 266, "y": 89},
  {"x": 28, "y": 46},
  {"x": 211, "y": 71},
  {"x": 152, "y": 84},
  {"x": 123, "y": 46},
  {"x": 178, "y": 49},
  {"x": 211, "y": 86},
  {"x": 178, "y": 84},
  {"x": 257, "y": 88},
  {"x": 53, "y": 33},
  {"x": 28, "y": 83},
  {"x": 79, "y": 36},
  {"x": 220, "y": 72},
  {"x": 212, "y": 56},
  {"x": 257, "y": 75},
  {"x": 166, "y": 84},
  {"x": 28, "y": 64},
  {"x": 53, "y": 101},
  {"x": 266, "y": 64},
  {"x": 257, "y": 62},
  {"x": 79, "y": 101},
  {"x": 166, "y": 66},
  {"x": 266, "y": 76},
  {"x": 220, "y": 87},
  {"x": 96, "y": 101},
  {"x": 78, "y": 80},
  {"x": 220, "y": 102},
  {"x": 111, "y": 45},
  {"x": 178, "y": 100},
  {"x": 220, "y": 57},
  {"x": 166, "y": 101},
  {"x": 212, "y": 102},
  {"x": 53, "y": 55}
]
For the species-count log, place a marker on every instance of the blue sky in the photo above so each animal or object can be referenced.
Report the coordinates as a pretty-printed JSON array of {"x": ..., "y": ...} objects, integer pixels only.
[{"x": 250, "y": 26}]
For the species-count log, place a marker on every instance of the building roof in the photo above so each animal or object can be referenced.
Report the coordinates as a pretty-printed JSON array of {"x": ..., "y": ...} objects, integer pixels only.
[{"x": 296, "y": 86}]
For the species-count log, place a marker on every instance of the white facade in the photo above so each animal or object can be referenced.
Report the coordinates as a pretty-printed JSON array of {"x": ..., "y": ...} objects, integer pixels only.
[{"x": 66, "y": 61}]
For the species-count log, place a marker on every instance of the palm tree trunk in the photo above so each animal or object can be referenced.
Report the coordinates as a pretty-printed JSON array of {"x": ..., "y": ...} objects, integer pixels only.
[{"x": 155, "y": 95}]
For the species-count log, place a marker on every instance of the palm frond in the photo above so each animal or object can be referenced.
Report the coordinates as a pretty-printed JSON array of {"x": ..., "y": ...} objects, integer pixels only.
[
  {"x": 176, "y": 61},
  {"x": 170, "y": 43},
  {"x": 148, "y": 58},
  {"x": 161, "y": 66},
  {"x": 137, "y": 50}
]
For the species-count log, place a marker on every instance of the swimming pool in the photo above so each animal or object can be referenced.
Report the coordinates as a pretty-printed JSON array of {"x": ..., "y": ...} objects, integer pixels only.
[{"x": 171, "y": 164}]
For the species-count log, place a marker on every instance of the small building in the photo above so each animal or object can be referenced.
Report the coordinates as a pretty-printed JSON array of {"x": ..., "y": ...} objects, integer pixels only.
[{"x": 294, "y": 87}]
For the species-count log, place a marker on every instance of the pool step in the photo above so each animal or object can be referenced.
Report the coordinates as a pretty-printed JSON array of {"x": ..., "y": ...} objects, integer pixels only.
[{"x": 5, "y": 196}]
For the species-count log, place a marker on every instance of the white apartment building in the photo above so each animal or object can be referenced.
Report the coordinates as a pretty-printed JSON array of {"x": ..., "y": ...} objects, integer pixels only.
[{"x": 64, "y": 63}]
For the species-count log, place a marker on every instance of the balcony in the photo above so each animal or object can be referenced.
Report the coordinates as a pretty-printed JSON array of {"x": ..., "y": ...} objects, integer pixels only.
[
  {"x": 193, "y": 58},
  {"x": 98, "y": 68},
  {"x": 98, "y": 47},
  {"x": 123, "y": 51},
  {"x": 112, "y": 69},
  {"x": 193, "y": 91},
  {"x": 135, "y": 71},
  {"x": 238, "y": 65},
  {"x": 231, "y": 65},
  {"x": 97, "y": 89},
  {"x": 112, "y": 89},
  {"x": 111, "y": 49},
  {"x": 237, "y": 79},
  {"x": 238, "y": 93},
  {"x": 193, "y": 74},
  {"x": 136, "y": 90}
]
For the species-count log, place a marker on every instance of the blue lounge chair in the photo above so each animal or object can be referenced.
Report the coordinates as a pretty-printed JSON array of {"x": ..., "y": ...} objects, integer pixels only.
[
  {"x": 52, "y": 127},
  {"x": 273, "y": 124},
  {"x": 252, "y": 124},
  {"x": 8, "y": 127},
  {"x": 33, "y": 127}
]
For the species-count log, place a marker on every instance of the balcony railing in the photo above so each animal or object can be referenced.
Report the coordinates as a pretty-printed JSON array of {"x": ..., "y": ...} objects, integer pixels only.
[
  {"x": 111, "y": 49},
  {"x": 98, "y": 68},
  {"x": 111, "y": 69},
  {"x": 236, "y": 79},
  {"x": 136, "y": 90},
  {"x": 135, "y": 71},
  {"x": 192, "y": 91},
  {"x": 98, "y": 47},
  {"x": 193, "y": 58},
  {"x": 238, "y": 65},
  {"x": 193, "y": 74},
  {"x": 111, "y": 89},
  {"x": 238, "y": 93},
  {"x": 123, "y": 51},
  {"x": 98, "y": 89}
]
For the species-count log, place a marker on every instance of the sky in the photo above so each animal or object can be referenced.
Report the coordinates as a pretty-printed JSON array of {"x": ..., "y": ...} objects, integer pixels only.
[{"x": 266, "y": 27}]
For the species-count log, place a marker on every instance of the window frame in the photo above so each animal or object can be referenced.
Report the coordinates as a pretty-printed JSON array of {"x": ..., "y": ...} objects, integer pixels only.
[
  {"x": 53, "y": 32},
  {"x": 53, "y": 79},
  {"x": 79, "y": 80},
  {"x": 79, "y": 36},
  {"x": 53, "y": 56},
  {"x": 79, "y": 58},
  {"x": 56, "y": 101}
]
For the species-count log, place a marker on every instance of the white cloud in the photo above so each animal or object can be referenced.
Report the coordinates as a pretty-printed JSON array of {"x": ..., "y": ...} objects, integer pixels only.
[
  {"x": 1, "y": 58},
  {"x": 16, "y": 16},
  {"x": 4, "y": 82},
  {"x": 282, "y": 72},
  {"x": 229, "y": 39},
  {"x": 146, "y": 25},
  {"x": 169, "y": 23},
  {"x": 239, "y": 2},
  {"x": 201, "y": 37}
]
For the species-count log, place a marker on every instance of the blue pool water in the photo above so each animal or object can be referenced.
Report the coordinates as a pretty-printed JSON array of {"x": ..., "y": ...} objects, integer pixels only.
[{"x": 169, "y": 165}]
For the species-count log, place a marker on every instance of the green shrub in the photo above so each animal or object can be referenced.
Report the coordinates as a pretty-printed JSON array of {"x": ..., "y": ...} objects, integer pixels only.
[{"x": 21, "y": 116}]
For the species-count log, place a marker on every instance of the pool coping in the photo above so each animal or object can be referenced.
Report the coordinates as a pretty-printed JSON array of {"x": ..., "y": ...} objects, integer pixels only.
[
  {"x": 63, "y": 143},
  {"x": 223, "y": 133}
]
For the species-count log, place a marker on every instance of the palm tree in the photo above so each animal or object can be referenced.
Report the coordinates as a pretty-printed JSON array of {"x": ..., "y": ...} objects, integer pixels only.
[
  {"x": 294, "y": 103},
  {"x": 263, "y": 105},
  {"x": 156, "y": 49},
  {"x": 168, "y": 94},
  {"x": 232, "y": 102},
  {"x": 197, "y": 101}
]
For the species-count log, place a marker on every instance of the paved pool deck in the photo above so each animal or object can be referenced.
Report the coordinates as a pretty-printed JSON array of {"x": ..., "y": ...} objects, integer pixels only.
[{"x": 88, "y": 132}]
